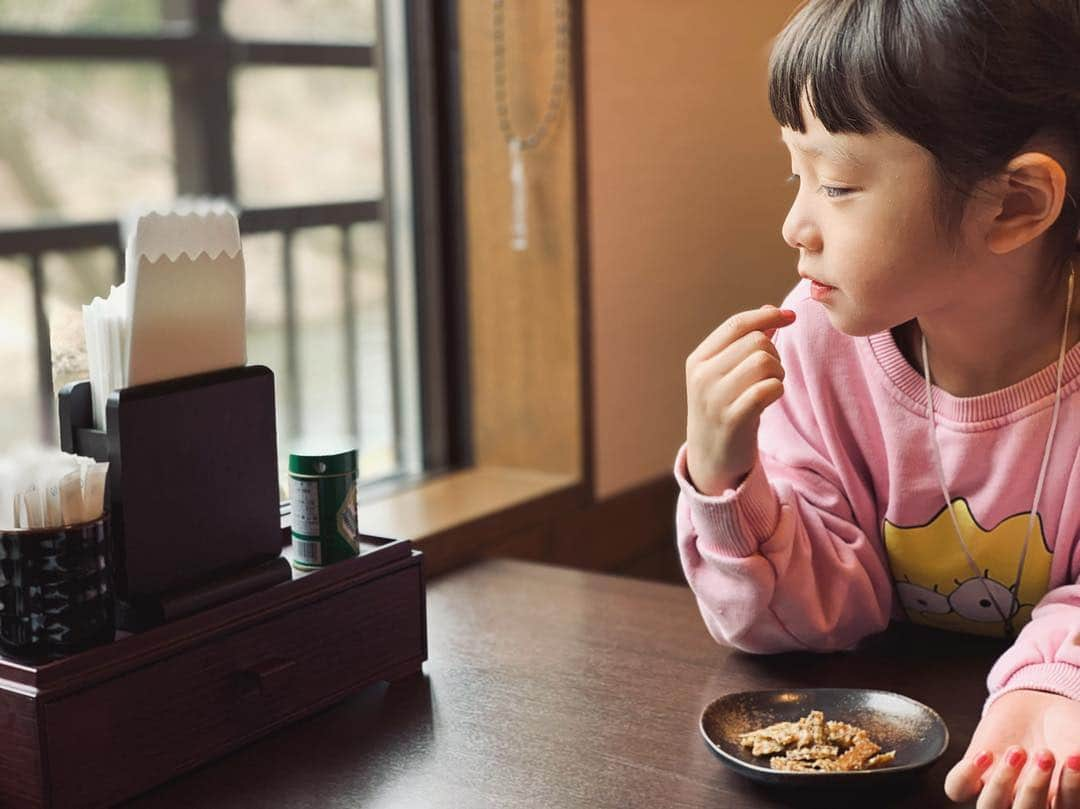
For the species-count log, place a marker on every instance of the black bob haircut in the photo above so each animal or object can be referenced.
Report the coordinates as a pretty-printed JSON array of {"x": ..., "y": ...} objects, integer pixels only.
[{"x": 971, "y": 81}]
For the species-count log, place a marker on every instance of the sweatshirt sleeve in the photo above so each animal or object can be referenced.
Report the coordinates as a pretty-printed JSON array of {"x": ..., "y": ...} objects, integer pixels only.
[
  {"x": 1046, "y": 653},
  {"x": 782, "y": 562}
]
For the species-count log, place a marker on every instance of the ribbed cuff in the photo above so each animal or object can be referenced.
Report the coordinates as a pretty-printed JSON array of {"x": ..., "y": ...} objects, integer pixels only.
[
  {"x": 1054, "y": 678},
  {"x": 737, "y": 521}
]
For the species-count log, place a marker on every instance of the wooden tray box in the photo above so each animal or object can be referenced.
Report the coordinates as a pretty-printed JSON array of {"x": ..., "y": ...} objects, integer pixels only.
[{"x": 101, "y": 726}]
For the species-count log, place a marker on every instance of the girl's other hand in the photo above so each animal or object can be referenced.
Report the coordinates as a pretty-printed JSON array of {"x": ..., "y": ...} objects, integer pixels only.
[
  {"x": 730, "y": 379},
  {"x": 1025, "y": 754}
]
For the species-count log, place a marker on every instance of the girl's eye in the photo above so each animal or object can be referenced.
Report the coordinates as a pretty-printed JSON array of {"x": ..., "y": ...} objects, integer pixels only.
[{"x": 833, "y": 191}]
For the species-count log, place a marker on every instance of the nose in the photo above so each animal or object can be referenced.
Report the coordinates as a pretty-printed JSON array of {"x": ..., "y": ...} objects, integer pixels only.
[{"x": 799, "y": 230}]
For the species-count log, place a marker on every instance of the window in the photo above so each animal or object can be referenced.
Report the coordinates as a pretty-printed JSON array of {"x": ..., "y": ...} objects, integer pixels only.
[{"x": 298, "y": 111}]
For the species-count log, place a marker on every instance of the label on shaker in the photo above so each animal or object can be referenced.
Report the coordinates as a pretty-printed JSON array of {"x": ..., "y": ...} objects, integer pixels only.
[
  {"x": 304, "y": 496},
  {"x": 347, "y": 519},
  {"x": 307, "y": 552}
]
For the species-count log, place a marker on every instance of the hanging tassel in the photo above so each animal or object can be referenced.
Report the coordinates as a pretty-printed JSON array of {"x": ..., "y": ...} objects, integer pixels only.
[{"x": 519, "y": 229}]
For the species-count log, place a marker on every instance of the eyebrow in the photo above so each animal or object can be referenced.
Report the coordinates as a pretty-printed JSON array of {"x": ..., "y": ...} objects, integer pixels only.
[{"x": 834, "y": 152}]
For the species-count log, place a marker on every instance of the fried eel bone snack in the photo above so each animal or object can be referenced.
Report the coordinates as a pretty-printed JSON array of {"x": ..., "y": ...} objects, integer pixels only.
[{"x": 815, "y": 745}]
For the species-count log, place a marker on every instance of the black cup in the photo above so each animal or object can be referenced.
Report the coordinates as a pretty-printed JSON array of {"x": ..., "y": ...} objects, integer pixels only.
[{"x": 56, "y": 589}]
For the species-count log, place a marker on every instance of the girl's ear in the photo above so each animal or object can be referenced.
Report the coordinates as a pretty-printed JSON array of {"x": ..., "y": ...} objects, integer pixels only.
[{"x": 1028, "y": 197}]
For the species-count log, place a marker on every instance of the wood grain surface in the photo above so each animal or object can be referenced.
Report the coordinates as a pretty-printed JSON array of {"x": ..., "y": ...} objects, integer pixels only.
[
  {"x": 549, "y": 687},
  {"x": 164, "y": 718},
  {"x": 524, "y": 309},
  {"x": 20, "y": 751}
]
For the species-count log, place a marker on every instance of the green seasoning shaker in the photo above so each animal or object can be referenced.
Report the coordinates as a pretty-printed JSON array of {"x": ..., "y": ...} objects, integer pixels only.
[{"x": 322, "y": 490}]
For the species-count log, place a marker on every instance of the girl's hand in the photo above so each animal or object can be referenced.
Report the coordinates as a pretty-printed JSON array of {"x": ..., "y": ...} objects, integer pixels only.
[
  {"x": 730, "y": 378},
  {"x": 1025, "y": 754}
]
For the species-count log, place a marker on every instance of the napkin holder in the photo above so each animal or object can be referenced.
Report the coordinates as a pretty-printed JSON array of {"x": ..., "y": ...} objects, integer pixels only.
[{"x": 192, "y": 489}]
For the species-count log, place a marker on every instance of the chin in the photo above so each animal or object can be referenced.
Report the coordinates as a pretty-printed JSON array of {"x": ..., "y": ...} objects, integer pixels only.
[{"x": 853, "y": 325}]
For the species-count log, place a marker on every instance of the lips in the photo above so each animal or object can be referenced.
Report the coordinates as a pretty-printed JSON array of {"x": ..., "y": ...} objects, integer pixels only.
[
  {"x": 815, "y": 281},
  {"x": 821, "y": 292}
]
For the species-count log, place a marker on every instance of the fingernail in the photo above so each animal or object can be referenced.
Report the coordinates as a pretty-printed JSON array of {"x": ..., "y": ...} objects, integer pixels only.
[
  {"x": 1045, "y": 761},
  {"x": 1073, "y": 763},
  {"x": 1016, "y": 759},
  {"x": 982, "y": 761},
  {"x": 787, "y": 312}
]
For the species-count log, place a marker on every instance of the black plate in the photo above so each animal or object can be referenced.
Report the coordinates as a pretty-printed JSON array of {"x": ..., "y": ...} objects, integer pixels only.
[{"x": 895, "y": 722}]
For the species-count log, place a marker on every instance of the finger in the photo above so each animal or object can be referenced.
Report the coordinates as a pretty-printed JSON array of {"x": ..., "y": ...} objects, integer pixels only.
[
  {"x": 754, "y": 400},
  {"x": 771, "y": 331},
  {"x": 768, "y": 317},
  {"x": 728, "y": 358},
  {"x": 722, "y": 389},
  {"x": 965, "y": 779},
  {"x": 758, "y": 367},
  {"x": 1033, "y": 790},
  {"x": 704, "y": 375},
  {"x": 1068, "y": 794},
  {"x": 997, "y": 792}
]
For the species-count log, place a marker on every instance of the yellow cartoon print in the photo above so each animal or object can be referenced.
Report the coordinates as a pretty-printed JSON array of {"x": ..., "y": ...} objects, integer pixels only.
[{"x": 937, "y": 586}]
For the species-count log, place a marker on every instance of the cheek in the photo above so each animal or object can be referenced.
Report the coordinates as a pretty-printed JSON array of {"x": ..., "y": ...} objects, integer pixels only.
[
  {"x": 889, "y": 253},
  {"x": 889, "y": 258},
  {"x": 880, "y": 289}
]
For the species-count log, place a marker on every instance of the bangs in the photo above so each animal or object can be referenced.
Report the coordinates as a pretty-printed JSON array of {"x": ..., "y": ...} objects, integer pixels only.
[
  {"x": 970, "y": 81},
  {"x": 857, "y": 63}
]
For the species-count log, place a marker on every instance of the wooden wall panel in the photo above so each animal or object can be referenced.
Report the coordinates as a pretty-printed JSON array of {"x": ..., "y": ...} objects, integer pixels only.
[
  {"x": 686, "y": 199},
  {"x": 523, "y": 305}
]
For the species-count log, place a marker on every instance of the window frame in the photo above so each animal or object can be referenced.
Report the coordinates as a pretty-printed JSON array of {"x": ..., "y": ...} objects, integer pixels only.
[{"x": 419, "y": 208}]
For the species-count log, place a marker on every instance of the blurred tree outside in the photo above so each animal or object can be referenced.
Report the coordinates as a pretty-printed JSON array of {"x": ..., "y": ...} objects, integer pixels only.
[{"x": 85, "y": 140}]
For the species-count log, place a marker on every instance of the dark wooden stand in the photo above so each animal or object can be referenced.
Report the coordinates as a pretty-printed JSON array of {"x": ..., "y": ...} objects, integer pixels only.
[
  {"x": 193, "y": 488},
  {"x": 100, "y": 726}
]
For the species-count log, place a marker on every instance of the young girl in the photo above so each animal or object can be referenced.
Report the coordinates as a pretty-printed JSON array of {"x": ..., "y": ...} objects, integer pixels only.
[{"x": 919, "y": 457}]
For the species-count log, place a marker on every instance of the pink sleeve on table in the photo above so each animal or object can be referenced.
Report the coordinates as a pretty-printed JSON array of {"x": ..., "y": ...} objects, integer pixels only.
[
  {"x": 1046, "y": 654},
  {"x": 773, "y": 573}
]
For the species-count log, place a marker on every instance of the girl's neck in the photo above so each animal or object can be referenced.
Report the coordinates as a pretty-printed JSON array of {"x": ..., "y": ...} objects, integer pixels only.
[{"x": 991, "y": 341}]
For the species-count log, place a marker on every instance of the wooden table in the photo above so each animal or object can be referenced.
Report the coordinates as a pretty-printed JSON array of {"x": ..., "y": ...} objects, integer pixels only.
[{"x": 548, "y": 687}]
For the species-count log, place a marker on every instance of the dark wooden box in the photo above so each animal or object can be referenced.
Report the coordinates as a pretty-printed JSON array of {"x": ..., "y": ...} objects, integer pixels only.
[{"x": 100, "y": 726}]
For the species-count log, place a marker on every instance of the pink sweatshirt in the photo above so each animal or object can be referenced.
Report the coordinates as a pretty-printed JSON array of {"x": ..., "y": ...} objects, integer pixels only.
[{"x": 841, "y": 525}]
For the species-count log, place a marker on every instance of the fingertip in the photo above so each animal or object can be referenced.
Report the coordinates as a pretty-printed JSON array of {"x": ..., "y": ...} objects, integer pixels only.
[
  {"x": 962, "y": 791},
  {"x": 964, "y": 781},
  {"x": 1045, "y": 761},
  {"x": 983, "y": 761},
  {"x": 1016, "y": 757}
]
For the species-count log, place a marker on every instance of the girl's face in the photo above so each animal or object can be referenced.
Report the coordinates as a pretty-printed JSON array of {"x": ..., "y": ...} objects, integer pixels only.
[{"x": 863, "y": 223}]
